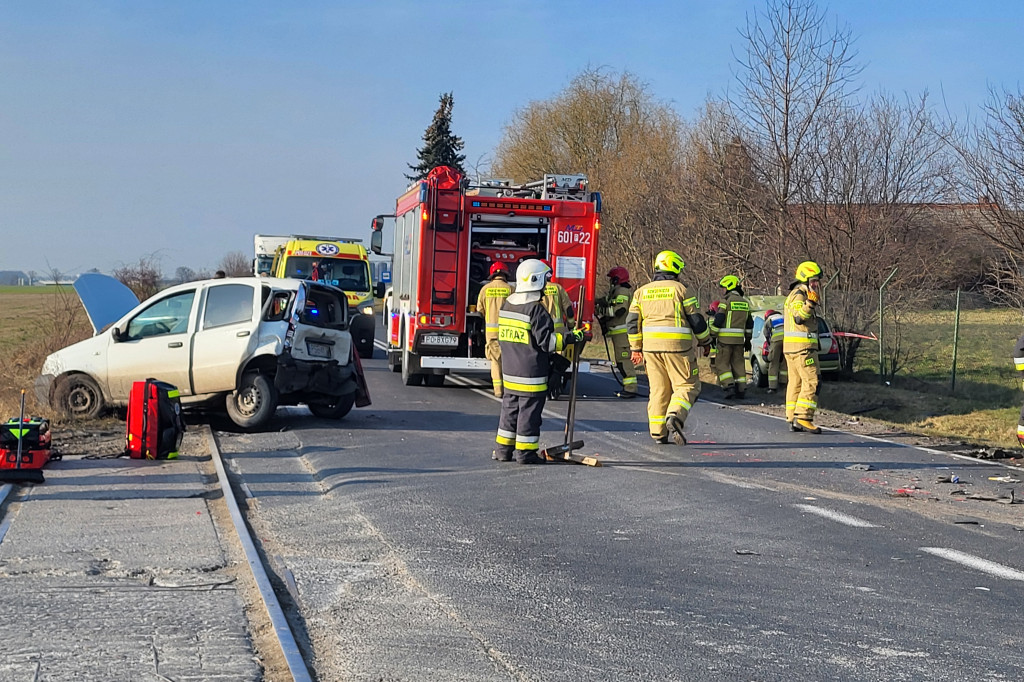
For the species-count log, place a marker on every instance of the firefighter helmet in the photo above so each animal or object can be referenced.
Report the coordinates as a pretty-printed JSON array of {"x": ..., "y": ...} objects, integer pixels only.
[
  {"x": 497, "y": 267},
  {"x": 807, "y": 270},
  {"x": 768, "y": 313},
  {"x": 729, "y": 282},
  {"x": 618, "y": 275},
  {"x": 669, "y": 261},
  {"x": 531, "y": 275}
]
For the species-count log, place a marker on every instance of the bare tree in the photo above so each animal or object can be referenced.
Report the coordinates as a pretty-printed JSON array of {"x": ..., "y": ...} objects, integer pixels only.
[
  {"x": 872, "y": 204},
  {"x": 143, "y": 277},
  {"x": 991, "y": 184},
  {"x": 612, "y": 129},
  {"x": 184, "y": 274},
  {"x": 795, "y": 70},
  {"x": 236, "y": 264}
]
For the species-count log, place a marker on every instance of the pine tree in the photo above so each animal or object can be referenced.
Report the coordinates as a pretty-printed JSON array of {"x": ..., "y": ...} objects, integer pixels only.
[{"x": 440, "y": 147}]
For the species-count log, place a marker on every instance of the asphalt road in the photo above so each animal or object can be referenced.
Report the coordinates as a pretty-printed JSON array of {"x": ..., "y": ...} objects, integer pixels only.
[{"x": 753, "y": 553}]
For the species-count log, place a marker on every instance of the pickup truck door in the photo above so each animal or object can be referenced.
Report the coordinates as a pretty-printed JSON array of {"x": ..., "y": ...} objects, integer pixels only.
[
  {"x": 154, "y": 344},
  {"x": 228, "y": 325}
]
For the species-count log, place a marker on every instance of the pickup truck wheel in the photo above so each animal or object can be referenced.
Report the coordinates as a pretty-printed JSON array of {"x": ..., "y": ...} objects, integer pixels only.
[
  {"x": 254, "y": 403},
  {"x": 334, "y": 410},
  {"x": 79, "y": 396}
]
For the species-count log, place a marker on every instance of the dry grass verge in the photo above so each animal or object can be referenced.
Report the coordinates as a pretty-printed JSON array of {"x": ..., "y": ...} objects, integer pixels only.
[{"x": 35, "y": 321}]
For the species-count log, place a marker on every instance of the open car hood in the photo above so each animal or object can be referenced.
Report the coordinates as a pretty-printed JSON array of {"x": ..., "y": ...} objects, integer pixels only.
[{"x": 105, "y": 299}]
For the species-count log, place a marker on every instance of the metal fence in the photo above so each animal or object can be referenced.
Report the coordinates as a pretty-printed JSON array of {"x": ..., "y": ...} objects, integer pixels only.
[{"x": 950, "y": 342}]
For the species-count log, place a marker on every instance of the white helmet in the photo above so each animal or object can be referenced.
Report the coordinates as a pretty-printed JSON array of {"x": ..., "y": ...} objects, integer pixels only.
[{"x": 531, "y": 275}]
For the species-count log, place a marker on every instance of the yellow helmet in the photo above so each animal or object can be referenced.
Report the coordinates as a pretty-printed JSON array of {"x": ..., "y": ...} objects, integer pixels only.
[
  {"x": 807, "y": 270},
  {"x": 729, "y": 282},
  {"x": 669, "y": 261}
]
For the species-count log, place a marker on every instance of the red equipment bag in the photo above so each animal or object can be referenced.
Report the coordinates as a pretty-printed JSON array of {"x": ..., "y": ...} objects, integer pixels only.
[
  {"x": 35, "y": 443},
  {"x": 155, "y": 426}
]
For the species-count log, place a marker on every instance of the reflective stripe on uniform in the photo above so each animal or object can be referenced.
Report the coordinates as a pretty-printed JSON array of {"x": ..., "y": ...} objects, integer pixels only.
[
  {"x": 626, "y": 381},
  {"x": 617, "y": 329},
  {"x": 732, "y": 332},
  {"x": 676, "y": 403},
  {"x": 667, "y": 332},
  {"x": 505, "y": 437},
  {"x": 525, "y": 384},
  {"x": 724, "y": 376},
  {"x": 1018, "y": 364}
]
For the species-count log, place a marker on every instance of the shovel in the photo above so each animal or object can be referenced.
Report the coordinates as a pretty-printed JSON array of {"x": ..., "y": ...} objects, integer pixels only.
[{"x": 17, "y": 474}]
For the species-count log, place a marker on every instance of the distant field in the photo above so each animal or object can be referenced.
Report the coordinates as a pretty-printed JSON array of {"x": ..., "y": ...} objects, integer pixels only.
[{"x": 34, "y": 322}]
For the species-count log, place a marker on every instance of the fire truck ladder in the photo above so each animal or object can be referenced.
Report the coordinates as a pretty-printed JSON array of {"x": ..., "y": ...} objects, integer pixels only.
[{"x": 446, "y": 220}]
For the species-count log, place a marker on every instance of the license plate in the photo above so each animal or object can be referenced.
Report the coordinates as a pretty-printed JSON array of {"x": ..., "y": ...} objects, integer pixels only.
[
  {"x": 440, "y": 340},
  {"x": 318, "y": 350}
]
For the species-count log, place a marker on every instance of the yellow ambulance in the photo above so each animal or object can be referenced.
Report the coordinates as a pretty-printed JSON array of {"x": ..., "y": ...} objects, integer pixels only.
[{"x": 340, "y": 262}]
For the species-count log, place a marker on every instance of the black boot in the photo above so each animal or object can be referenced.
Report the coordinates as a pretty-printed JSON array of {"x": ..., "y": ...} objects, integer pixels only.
[
  {"x": 528, "y": 457},
  {"x": 675, "y": 427},
  {"x": 501, "y": 456}
]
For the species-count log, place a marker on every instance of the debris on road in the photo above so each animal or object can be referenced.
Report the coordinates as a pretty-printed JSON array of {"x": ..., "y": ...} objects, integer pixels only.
[
  {"x": 860, "y": 467},
  {"x": 747, "y": 552},
  {"x": 1004, "y": 479}
]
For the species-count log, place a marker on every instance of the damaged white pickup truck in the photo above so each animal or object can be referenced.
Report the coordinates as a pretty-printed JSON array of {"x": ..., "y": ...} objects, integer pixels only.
[{"x": 253, "y": 343}]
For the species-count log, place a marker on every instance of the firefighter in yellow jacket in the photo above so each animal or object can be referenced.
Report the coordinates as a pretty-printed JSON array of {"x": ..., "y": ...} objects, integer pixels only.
[
  {"x": 800, "y": 346},
  {"x": 664, "y": 327},
  {"x": 732, "y": 326},
  {"x": 488, "y": 303},
  {"x": 611, "y": 313}
]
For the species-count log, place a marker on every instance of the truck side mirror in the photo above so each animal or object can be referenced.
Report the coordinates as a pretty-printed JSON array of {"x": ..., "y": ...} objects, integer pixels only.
[
  {"x": 376, "y": 237},
  {"x": 378, "y": 290}
]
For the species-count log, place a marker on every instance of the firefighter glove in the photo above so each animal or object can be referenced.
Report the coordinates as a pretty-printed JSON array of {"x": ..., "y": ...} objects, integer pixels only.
[
  {"x": 578, "y": 337},
  {"x": 812, "y": 296},
  {"x": 746, "y": 345}
]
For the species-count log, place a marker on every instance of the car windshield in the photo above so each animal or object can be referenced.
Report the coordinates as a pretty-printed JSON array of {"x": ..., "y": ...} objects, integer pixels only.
[{"x": 345, "y": 273}]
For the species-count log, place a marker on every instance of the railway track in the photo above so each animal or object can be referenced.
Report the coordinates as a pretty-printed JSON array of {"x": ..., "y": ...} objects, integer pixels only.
[{"x": 279, "y": 622}]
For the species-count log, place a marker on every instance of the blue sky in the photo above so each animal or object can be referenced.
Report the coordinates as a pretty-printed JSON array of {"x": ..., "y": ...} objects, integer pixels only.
[{"x": 182, "y": 128}]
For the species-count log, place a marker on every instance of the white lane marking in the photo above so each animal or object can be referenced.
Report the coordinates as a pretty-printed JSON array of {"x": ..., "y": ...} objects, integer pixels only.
[
  {"x": 719, "y": 477},
  {"x": 838, "y": 517},
  {"x": 977, "y": 563}
]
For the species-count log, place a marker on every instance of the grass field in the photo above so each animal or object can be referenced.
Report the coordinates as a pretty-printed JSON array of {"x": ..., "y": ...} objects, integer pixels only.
[
  {"x": 34, "y": 322},
  {"x": 985, "y": 404}
]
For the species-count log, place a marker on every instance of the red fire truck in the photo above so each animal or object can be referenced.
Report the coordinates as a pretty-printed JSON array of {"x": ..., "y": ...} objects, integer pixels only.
[{"x": 448, "y": 233}]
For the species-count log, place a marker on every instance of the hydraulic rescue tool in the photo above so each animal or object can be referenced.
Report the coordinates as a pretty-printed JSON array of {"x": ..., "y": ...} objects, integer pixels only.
[
  {"x": 564, "y": 452},
  {"x": 17, "y": 474}
]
